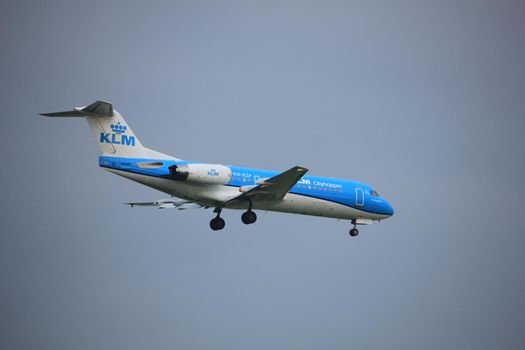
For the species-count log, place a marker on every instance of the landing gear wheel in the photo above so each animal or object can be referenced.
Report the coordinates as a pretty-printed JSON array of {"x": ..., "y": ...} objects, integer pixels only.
[
  {"x": 217, "y": 223},
  {"x": 354, "y": 232},
  {"x": 248, "y": 217}
]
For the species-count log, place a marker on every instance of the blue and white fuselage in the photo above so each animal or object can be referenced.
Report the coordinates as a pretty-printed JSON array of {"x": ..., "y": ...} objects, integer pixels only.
[
  {"x": 225, "y": 186},
  {"x": 311, "y": 195}
]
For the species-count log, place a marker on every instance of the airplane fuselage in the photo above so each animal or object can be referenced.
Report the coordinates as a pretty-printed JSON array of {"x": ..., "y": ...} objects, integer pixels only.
[{"x": 312, "y": 195}]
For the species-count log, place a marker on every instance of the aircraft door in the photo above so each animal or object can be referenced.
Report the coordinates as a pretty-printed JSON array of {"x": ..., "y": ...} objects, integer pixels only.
[{"x": 359, "y": 197}]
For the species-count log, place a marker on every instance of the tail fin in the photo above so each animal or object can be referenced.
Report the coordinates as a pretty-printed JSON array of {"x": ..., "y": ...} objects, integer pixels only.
[{"x": 113, "y": 134}]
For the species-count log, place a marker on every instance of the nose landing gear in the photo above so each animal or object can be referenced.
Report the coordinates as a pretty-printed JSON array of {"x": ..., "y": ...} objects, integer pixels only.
[{"x": 354, "y": 231}]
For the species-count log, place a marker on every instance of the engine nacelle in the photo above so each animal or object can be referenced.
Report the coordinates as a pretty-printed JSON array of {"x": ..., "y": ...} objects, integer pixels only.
[{"x": 213, "y": 174}]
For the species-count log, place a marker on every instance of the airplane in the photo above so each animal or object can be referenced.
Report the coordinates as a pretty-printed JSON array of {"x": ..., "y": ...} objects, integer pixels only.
[{"x": 204, "y": 185}]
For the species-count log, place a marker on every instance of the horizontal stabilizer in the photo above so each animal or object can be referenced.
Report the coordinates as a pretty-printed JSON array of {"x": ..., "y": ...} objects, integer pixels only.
[
  {"x": 98, "y": 109},
  {"x": 63, "y": 114}
]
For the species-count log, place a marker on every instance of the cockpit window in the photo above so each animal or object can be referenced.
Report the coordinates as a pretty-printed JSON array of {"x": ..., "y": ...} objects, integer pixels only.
[{"x": 374, "y": 193}]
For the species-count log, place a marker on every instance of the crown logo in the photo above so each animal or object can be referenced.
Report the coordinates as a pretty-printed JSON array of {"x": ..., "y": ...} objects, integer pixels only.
[{"x": 118, "y": 128}]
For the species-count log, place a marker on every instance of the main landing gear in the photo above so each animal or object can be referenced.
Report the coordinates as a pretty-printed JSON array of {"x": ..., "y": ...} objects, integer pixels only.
[
  {"x": 354, "y": 231},
  {"x": 249, "y": 217},
  {"x": 217, "y": 223}
]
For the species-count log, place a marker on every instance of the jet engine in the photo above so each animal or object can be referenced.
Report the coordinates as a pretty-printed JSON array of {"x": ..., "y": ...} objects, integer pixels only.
[{"x": 213, "y": 174}]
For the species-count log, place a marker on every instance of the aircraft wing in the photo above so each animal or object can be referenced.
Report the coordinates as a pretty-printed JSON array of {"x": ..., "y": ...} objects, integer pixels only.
[
  {"x": 141, "y": 204},
  {"x": 180, "y": 204},
  {"x": 272, "y": 189}
]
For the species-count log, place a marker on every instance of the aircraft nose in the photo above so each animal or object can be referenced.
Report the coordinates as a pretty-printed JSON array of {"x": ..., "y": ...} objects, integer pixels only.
[{"x": 387, "y": 208}]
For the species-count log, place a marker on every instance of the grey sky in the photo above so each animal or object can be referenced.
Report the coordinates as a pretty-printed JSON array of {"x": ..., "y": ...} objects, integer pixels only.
[{"x": 424, "y": 100}]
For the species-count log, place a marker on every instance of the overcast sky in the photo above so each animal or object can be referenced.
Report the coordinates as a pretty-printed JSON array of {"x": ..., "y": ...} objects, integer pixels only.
[{"x": 424, "y": 100}]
